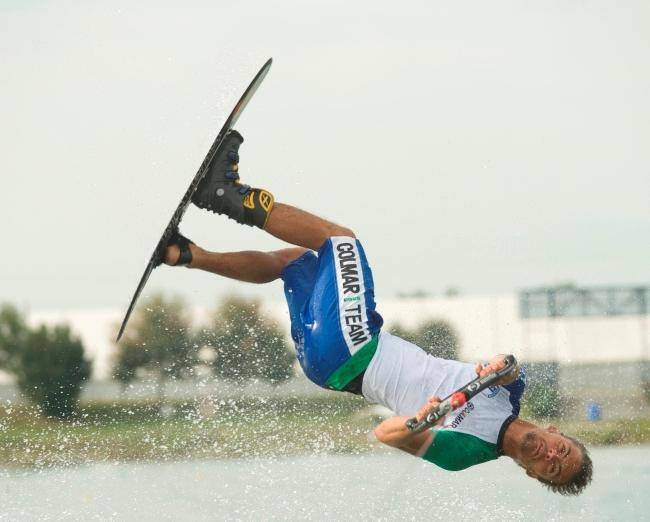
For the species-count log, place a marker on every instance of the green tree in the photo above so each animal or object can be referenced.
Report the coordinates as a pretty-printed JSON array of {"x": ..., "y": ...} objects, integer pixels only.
[
  {"x": 158, "y": 343},
  {"x": 246, "y": 344},
  {"x": 405, "y": 333},
  {"x": 542, "y": 400},
  {"x": 13, "y": 335},
  {"x": 645, "y": 380},
  {"x": 645, "y": 388},
  {"x": 452, "y": 291},
  {"x": 435, "y": 336},
  {"x": 50, "y": 368},
  {"x": 47, "y": 362}
]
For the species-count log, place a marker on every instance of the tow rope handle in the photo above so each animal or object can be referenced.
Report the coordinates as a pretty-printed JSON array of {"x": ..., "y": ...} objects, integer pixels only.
[{"x": 461, "y": 396}]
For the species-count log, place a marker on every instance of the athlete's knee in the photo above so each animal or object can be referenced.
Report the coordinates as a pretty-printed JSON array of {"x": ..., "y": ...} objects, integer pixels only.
[
  {"x": 288, "y": 255},
  {"x": 337, "y": 230}
]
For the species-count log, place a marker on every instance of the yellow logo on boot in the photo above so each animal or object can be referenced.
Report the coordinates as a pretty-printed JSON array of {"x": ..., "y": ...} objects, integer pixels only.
[
  {"x": 249, "y": 202},
  {"x": 266, "y": 200}
]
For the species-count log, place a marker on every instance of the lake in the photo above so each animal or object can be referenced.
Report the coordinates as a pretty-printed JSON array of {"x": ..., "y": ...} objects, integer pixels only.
[{"x": 378, "y": 486}]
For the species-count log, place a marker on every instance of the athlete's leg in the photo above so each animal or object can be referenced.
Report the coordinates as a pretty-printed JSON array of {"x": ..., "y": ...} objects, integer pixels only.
[
  {"x": 249, "y": 266},
  {"x": 221, "y": 191},
  {"x": 301, "y": 228}
]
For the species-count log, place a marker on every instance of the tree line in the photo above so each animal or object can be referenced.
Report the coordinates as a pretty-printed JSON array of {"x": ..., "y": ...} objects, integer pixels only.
[{"x": 237, "y": 342}]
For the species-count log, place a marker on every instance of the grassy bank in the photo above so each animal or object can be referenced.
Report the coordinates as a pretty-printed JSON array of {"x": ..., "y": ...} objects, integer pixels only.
[
  {"x": 605, "y": 433},
  {"x": 225, "y": 429},
  {"x": 137, "y": 431}
]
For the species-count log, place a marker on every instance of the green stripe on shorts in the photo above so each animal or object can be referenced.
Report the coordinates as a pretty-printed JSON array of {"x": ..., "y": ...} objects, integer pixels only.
[{"x": 353, "y": 366}]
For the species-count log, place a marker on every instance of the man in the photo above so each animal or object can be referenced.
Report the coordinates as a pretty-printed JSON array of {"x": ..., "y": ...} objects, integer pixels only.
[{"x": 340, "y": 344}]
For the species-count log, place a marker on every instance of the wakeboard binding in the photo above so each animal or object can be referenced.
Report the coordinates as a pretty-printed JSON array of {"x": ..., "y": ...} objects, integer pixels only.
[
  {"x": 183, "y": 243},
  {"x": 220, "y": 190}
]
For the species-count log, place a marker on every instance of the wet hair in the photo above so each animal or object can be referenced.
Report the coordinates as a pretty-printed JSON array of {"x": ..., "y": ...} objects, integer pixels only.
[{"x": 581, "y": 478}]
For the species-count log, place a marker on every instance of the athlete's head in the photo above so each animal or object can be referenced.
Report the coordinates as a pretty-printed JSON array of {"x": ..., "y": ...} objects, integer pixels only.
[{"x": 561, "y": 463}]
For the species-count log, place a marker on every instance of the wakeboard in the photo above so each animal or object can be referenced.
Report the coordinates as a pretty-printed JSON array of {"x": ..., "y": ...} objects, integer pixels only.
[{"x": 158, "y": 253}]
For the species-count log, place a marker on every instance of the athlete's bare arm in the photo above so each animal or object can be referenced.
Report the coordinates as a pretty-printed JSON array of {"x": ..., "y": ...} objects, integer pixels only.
[{"x": 393, "y": 431}]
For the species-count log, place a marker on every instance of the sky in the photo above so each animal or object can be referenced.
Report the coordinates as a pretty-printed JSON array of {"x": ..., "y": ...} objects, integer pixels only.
[{"x": 488, "y": 146}]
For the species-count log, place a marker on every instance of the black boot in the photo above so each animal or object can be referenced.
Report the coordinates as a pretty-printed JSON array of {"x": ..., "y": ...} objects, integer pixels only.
[{"x": 221, "y": 192}]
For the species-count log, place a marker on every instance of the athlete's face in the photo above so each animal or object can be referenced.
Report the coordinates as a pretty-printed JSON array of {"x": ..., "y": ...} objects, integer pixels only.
[{"x": 547, "y": 454}]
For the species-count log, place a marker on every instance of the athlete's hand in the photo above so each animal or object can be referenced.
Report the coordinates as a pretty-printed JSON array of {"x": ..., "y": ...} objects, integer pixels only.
[
  {"x": 431, "y": 405},
  {"x": 496, "y": 363}
]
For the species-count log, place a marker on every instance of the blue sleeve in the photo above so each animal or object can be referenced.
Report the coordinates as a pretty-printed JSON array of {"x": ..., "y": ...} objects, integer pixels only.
[{"x": 516, "y": 390}]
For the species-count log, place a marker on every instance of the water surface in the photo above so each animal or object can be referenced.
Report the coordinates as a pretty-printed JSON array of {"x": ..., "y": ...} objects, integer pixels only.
[{"x": 378, "y": 486}]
